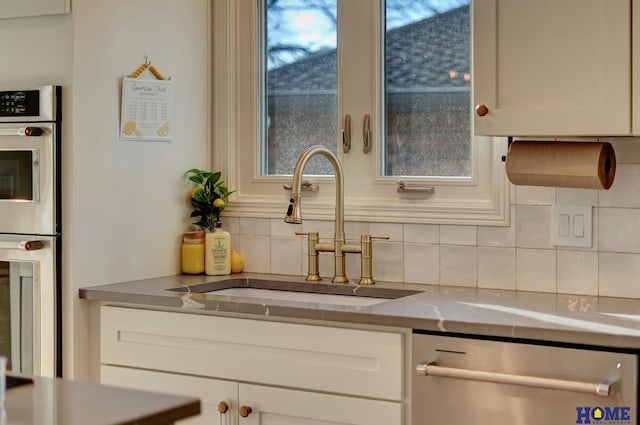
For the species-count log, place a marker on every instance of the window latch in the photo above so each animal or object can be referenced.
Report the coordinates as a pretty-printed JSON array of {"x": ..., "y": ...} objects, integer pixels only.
[
  {"x": 306, "y": 185},
  {"x": 346, "y": 134}
]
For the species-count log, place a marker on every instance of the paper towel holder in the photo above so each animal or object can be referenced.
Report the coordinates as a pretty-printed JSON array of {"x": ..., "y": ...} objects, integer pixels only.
[{"x": 509, "y": 141}]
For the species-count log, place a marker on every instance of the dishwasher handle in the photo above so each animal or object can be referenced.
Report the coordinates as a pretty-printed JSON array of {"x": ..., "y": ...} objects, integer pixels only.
[{"x": 601, "y": 389}]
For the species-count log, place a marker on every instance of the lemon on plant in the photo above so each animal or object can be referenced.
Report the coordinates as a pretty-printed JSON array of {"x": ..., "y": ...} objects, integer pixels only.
[
  {"x": 236, "y": 262},
  {"x": 193, "y": 192},
  {"x": 219, "y": 203}
]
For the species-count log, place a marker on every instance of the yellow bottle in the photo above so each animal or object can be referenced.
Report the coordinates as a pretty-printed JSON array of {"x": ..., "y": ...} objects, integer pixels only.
[
  {"x": 217, "y": 260},
  {"x": 193, "y": 252}
]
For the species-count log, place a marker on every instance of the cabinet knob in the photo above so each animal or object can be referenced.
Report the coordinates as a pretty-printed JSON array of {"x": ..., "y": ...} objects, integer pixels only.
[
  {"x": 245, "y": 411},
  {"x": 482, "y": 110},
  {"x": 223, "y": 407}
]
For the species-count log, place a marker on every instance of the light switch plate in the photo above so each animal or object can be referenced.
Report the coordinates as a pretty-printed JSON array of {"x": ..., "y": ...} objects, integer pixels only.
[{"x": 577, "y": 231}]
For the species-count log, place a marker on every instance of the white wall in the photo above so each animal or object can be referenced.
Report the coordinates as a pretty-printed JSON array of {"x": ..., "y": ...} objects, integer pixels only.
[
  {"x": 124, "y": 203},
  {"x": 129, "y": 204}
]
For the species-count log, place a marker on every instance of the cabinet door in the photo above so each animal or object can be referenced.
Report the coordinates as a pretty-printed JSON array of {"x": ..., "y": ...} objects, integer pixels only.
[
  {"x": 555, "y": 68},
  {"x": 211, "y": 392},
  {"x": 277, "y": 406}
]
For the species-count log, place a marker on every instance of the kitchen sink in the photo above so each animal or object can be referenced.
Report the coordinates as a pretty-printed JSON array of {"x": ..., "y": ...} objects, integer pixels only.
[
  {"x": 307, "y": 297},
  {"x": 259, "y": 290}
]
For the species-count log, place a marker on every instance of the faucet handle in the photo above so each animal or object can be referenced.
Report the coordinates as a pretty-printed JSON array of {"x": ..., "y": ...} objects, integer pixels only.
[
  {"x": 378, "y": 237},
  {"x": 310, "y": 234},
  {"x": 313, "y": 274},
  {"x": 366, "y": 259}
]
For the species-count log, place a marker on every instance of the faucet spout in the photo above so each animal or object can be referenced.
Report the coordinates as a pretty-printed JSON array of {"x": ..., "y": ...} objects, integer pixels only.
[{"x": 294, "y": 212}]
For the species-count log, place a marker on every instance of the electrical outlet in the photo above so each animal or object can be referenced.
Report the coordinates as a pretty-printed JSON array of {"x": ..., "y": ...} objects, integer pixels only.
[{"x": 572, "y": 225}]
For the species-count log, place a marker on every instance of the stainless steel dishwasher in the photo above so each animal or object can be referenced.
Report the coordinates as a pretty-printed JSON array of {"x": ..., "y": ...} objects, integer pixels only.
[{"x": 462, "y": 381}]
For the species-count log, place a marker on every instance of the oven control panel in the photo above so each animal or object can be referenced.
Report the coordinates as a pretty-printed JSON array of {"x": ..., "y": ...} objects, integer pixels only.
[{"x": 25, "y": 103}]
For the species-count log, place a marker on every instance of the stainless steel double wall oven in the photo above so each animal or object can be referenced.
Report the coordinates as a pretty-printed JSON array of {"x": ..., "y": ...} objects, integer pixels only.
[{"x": 30, "y": 229}]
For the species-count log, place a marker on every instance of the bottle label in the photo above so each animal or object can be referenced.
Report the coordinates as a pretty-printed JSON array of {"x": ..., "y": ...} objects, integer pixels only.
[{"x": 219, "y": 254}]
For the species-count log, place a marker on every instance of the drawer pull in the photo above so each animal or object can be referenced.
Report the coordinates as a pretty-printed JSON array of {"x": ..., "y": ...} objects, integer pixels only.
[
  {"x": 245, "y": 411},
  {"x": 602, "y": 389},
  {"x": 223, "y": 407}
]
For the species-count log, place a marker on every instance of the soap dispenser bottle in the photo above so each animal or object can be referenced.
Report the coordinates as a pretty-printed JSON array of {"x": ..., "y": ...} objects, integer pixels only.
[{"x": 217, "y": 260}]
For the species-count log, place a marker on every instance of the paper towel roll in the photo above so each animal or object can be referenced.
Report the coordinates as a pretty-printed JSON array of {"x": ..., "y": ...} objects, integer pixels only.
[{"x": 588, "y": 165}]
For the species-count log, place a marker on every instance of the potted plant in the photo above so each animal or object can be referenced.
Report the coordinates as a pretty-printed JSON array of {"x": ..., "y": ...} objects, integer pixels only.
[{"x": 209, "y": 199}]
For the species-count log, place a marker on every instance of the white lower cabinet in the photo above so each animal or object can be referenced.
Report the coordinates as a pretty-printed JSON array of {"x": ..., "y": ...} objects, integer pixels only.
[
  {"x": 278, "y": 406},
  {"x": 274, "y": 373},
  {"x": 211, "y": 392}
]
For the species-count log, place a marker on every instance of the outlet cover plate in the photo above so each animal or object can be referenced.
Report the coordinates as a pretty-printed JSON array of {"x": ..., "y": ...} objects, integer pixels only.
[{"x": 572, "y": 225}]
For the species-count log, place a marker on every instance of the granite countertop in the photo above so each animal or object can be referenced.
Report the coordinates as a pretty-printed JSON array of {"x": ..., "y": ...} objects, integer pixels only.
[
  {"x": 567, "y": 319},
  {"x": 48, "y": 401}
]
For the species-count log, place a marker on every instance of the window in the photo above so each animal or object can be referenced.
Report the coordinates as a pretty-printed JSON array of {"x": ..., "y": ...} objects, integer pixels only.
[{"x": 288, "y": 72}]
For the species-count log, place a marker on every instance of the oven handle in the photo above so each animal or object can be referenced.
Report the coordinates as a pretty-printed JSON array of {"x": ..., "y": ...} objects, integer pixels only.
[
  {"x": 601, "y": 389},
  {"x": 29, "y": 245},
  {"x": 21, "y": 131}
]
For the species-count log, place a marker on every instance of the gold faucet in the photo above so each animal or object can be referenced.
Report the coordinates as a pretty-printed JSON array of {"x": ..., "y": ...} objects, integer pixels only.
[
  {"x": 294, "y": 213},
  {"x": 339, "y": 247}
]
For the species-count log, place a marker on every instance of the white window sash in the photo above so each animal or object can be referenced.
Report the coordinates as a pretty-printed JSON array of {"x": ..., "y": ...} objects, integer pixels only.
[{"x": 480, "y": 200}]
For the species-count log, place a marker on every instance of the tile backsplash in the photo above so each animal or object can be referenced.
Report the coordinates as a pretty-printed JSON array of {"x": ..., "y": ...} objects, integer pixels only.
[{"x": 519, "y": 257}]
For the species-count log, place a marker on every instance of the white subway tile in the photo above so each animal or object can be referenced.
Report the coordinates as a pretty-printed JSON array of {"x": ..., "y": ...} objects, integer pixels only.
[
  {"x": 627, "y": 150},
  {"x": 354, "y": 229},
  {"x": 256, "y": 253},
  {"x": 325, "y": 228},
  {"x": 577, "y": 272},
  {"x": 231, "y": 225},
  {"x": 458, "y": 265},
  {"x": 388, "y": 262},
  {"x": 536, "y": 270},
  {"x": 282, "y": 229},
  {"x": 421, "y": 263},
  {"x": 458, "y": 235},
  {"x": 326, "y": 266},
  {"x": 235, "y": 242},
  {"x": 535, "y": 195},
  {"x": 286, "y": 256},
  {"x": 497, "y": 268},
  {"x": 255, "y": 226},
  {"x": 533, "y": 227},
  {"x": 619, "y": 275},
  {"x": 619, "y": 230},
  {"x": 624, "y": 192},
  {"x": 566, "y": 196},
  {"x": 422, "y": 233},
  {"x": 503, "y": 236},
  {"x": 353, "y": 267}
]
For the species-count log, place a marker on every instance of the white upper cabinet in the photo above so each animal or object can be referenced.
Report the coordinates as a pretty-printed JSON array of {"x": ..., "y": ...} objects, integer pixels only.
[{"x": 553, "y": 68}]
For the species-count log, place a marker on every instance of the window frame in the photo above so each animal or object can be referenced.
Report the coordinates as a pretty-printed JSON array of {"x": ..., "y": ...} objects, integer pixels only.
[{"x": 236, "y": 127}]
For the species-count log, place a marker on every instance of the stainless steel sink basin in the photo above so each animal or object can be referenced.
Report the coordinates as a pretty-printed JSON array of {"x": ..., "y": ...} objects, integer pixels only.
[
  {"x": 260, "y": 290},
  {"x": 306, "y": 297}
]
